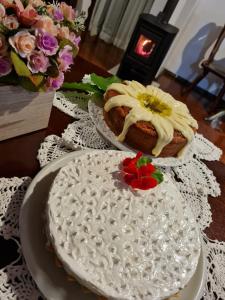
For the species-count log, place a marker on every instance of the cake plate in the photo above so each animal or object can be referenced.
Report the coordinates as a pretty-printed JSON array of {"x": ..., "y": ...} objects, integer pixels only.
[
  {"x": 96, "y": 113},
  {"x": 52, "y": 280}
]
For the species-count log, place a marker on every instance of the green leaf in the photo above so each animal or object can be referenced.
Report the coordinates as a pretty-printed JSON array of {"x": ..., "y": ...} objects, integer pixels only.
[
  {"x": 143, "y": 161},
  {"x": 81, "y": 86},
  {"x": 103, "y": 82},
  {"x": 65, "y": 42},
  {"x": 3, "y": 29},
  {"x": 158, "y": 175},
  {"x": 53, "y": 71},
  {"x": 36, "y": 79},
  {"x": 27, "y": 84},
  {"x": 42, "y": 10},
  {"x": 19, "y": 65}
]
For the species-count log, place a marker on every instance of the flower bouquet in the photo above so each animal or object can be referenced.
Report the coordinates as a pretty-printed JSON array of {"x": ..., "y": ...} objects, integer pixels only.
[{"x": 38, "y": 43}]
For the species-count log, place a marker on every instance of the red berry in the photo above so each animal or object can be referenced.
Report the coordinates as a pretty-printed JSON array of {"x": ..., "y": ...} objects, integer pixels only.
[
  {"x": 143, "y": 183},
  {"x": 148, "y": 183},
  {"x": 147, "y": 170},
  {"x": 126, "y": 161},
  {"x": 139, "y": 154},
  {"x": 128, "y": 178},
  {"x": 131, "y": 169}
]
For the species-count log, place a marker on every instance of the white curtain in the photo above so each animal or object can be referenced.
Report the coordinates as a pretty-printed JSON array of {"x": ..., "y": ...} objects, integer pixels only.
[{"x": 114, "y": 20}]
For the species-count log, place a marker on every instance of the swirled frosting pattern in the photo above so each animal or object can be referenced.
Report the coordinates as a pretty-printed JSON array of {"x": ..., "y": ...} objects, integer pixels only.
[{"x": 121, "y": 243}]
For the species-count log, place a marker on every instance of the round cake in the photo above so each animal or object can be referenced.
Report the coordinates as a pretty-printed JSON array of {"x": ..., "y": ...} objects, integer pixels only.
[
  {"x": 148, "y": 119},
  {"x": 118, "y": 242}
]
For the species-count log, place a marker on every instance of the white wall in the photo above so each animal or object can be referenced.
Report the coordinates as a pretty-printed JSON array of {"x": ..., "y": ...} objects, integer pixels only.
[
  {"x": 196, "y": 36},
  {"x": 157, "y": 6},
  {"x": 83, "y": 5}
]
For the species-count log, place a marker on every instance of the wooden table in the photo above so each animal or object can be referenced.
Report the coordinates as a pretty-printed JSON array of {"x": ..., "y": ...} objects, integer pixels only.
[{"x": 18, "y": 155}]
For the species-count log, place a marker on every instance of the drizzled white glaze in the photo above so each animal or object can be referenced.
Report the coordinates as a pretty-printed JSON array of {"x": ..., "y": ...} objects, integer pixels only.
[
  {"x": 179, "y": 118},
  {"x": 123, "y": 244}
]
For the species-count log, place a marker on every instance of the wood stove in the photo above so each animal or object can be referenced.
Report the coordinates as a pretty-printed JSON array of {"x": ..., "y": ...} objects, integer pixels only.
[{"x": 150, "y": 41}]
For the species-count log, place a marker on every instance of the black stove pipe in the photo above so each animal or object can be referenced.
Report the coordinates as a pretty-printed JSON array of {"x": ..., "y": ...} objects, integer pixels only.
[{"x": 168, "y": 10}]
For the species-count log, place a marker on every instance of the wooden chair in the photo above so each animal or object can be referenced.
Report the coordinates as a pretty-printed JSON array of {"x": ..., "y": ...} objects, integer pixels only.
[{"x": 209, "y": 65}]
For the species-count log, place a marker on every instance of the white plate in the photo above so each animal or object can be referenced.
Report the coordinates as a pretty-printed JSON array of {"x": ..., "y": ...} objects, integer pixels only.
[
  {"x": 51, "y": 280},
  {"x": 96, "y": 114}
]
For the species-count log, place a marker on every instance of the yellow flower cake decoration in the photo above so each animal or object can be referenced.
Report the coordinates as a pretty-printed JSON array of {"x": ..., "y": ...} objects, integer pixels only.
[{"x": 151, "y": 104}]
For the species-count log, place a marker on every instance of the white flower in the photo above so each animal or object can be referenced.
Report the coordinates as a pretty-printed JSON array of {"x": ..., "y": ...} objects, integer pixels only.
[{"x": 87, "y": 79}]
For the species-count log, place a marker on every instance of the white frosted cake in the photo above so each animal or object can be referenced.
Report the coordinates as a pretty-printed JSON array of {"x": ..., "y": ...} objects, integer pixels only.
[{"x": 118, "y": 242}]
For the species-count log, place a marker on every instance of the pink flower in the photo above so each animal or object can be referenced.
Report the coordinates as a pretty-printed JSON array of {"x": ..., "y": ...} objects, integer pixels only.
[
  {"x": 38, "y": 62},
  {"x": 19, "y": 5},
  {"x": 63, "y": 32},
  {"x": 5, "y": 66},
  {"x": 65, "y": 58},
  {"x": 54, "y": 83},
  {"x": 47, "y": 43},
  {"x": 7, "y": 3},
  {"x": 68, "y": 11},
  {"x": 10, "y": 22},
  {"x": 3, "y": 45},
  {"x": 74, "y": 39},
  {"x": 2, "y": 11},
  {"x": 57, "y": 14},
  {"x": 45, "y": 23},
  {"x": 23, "y": 43},
  {"x": 28, "y": 16},
  {"x": 36, "y": 3}
]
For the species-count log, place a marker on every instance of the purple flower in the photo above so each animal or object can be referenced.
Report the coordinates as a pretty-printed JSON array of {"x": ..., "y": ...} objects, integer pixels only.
[
  {"x": 54, "y": 83},
  {"x": 75, "y": 39},
  {"x": 5, "y": 66},
  {"x": 47, "y": 43},
  {"x": 65, "y": 58},
  {"x": 38, "y": 62},
  {"x": 58, "y": 15}
]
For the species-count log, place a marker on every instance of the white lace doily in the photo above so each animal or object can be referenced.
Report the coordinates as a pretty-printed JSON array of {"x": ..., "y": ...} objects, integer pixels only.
[
  {"x": 73, "y": 104},
  {"x": 15, "y": 281}
]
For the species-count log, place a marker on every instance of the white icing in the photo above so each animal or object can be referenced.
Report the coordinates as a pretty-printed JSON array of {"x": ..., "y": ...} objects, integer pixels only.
[
  {"x": 121, "y": 243},
  {"x": 179, "y": 117}
]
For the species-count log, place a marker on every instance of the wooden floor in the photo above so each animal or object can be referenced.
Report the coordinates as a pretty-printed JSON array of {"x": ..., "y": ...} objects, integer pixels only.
[{"x": 98, "y": 52}]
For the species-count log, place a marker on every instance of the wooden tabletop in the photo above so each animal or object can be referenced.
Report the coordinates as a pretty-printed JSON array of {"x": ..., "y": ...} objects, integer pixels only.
[{"x": 18, "y": 155}]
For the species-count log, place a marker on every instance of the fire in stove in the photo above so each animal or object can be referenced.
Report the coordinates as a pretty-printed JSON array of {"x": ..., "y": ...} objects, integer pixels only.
[
  {"x": 144, "y": 46},
  {"x": 148, "y": 46}
]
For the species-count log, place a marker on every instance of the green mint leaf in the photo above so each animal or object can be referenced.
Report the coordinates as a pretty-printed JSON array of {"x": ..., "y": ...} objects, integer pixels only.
[
  {"x": 81, "y": 86},
  {"x": 103, "y": 82},
  {"x": 158, "y": 175},
  {"x": 142, "y": 161}
]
